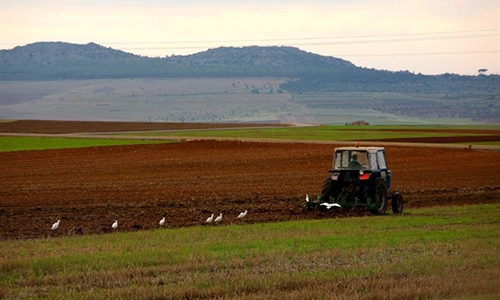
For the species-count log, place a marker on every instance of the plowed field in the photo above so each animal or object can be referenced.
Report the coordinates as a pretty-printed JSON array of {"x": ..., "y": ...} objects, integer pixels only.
[{"x": 89, "y": 188}]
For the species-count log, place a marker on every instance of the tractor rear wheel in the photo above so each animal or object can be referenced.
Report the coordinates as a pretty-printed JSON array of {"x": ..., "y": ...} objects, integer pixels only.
[
  {"x": 379, "y": 196},
  {"x": 330, "y": 189},
  {"x": 397, "y": 203}
]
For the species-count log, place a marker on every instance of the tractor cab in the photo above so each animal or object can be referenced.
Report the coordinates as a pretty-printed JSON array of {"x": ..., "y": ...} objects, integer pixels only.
[{"x": 370, "y": 163}]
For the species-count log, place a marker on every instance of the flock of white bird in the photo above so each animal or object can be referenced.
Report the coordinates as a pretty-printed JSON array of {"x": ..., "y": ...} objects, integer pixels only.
[
  {"x": 211, "y": 218},
  {"x": 162, "y": 221}
]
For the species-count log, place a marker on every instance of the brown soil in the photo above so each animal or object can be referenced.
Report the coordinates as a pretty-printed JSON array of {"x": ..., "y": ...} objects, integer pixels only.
[
  {"x": 446, "y": 139},
  {"x": 477, "y": 135},
  {"x": 62, "y": 127},
  {"x": 89, "y": 188}
]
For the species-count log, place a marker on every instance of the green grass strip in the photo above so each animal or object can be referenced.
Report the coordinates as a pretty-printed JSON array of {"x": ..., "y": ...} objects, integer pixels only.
[
  {"x": 269, "y": 260},
  {"x": 320, "y": 133},
  {"x": 8, "y": 143}
]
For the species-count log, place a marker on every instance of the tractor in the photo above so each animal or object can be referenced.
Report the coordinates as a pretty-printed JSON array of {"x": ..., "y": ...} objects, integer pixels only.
[{"x": 359, "y": 178}]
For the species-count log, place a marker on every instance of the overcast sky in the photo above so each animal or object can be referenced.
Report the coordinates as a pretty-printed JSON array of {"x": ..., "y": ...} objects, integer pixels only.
[{"x": 421, "y": 36}]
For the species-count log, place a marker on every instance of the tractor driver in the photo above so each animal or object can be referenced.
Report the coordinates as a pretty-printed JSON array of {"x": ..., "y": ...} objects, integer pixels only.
[{"x": 354, "y": 164}]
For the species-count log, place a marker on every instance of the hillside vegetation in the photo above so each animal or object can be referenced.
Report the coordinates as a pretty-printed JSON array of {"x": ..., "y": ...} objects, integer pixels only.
[
  {"x": 296, "y": 86},
  {"x": 69, "y": 61}
]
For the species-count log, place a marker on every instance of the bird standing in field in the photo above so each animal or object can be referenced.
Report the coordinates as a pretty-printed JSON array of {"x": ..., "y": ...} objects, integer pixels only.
[
  {"x": 242, "y": 215},
  {"x": 307, "y": 198},
  {"x": 162, "y": 221},
  {"x": 210, "y": 219},
  {"x": 115, "y": 224},
  {"x": 56, "y": 225},
  {"x": 219, "y": 218}
]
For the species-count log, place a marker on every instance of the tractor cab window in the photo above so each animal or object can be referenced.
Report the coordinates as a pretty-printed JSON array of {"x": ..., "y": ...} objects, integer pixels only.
[
  {"x": 351, "y": 159},
  {"x": 373, "y": 161},
  {"x": 381, "y": 160}
]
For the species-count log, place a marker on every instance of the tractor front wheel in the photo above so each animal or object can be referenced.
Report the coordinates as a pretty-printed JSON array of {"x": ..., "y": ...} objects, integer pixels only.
[
  {"x": 380, "y": 196},
  {"x": 397, "y": 203}
]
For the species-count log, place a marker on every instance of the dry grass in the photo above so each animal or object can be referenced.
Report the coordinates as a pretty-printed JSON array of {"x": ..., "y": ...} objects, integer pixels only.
[{"x": 438, "y": 253}]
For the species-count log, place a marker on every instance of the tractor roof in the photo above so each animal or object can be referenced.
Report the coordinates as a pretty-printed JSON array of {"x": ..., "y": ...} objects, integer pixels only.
[{"x": 367, "y": 149}]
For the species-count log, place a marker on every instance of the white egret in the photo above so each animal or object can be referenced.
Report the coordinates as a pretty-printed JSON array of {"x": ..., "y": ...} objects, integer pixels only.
[
  {"x": 56, "y": 225},
  {"x": 219, "y": 218},
  {"x": 210, "y": 219},
  {"x": 162, "y": 221},
  {"x": 328, "y": 205},
  {"x": 307, "y": 198},
  {"x": 115, "y": 224},
  {"x": 242, "y": 215}
]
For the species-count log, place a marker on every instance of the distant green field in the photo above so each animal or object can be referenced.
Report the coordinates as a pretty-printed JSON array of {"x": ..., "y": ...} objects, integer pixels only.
[
  {"x": 10, "y": 143},
  {"x": 308, "y": 133},
  {"x": 432, "y": 253},
  {"x": 326, "y": 133}
]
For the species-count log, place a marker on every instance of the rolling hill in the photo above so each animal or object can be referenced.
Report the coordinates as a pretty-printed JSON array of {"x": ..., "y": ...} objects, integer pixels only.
[
  {"x": 320, "y": 89},
  {"x": 58, "y": 60}
]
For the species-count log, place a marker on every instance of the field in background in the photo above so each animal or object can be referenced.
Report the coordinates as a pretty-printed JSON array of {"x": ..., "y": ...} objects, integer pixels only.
[
  {"x": 469, "y": 135},
  {"x": 147, "y": 100},
  {"x": 70, "y": 134},
  {"x": 222, "y": 100},
  {"x": 14, "y": 143},
  {"x": 390, "y": 107},
  {"x": 433, "y": 253}
]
